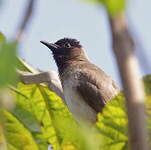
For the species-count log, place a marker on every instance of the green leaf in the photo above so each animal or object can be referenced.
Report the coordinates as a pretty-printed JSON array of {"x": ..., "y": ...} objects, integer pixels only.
[
  {"x": 112, "y": 125},
  {"x": 16, "y": 134},
  {"x": 7, "y": 62},
  {"x": 113, "y": 7},
  {"x": 48, "y": 120}
]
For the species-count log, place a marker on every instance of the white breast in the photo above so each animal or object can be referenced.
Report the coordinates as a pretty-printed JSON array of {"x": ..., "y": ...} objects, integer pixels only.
[{"x": 79, "y": 108}]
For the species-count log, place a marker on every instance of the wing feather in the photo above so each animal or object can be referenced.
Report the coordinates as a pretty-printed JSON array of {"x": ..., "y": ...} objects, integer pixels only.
[{"x": 96, "y": 87}]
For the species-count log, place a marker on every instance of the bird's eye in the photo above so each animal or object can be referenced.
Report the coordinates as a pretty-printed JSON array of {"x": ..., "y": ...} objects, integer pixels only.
[{"x": 67, "y": 45}]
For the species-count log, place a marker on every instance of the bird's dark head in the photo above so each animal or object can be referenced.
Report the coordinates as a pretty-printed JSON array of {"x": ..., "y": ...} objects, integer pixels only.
[
  {"x": 63, "y": 46},
  {"x": 65, "y": 50}
]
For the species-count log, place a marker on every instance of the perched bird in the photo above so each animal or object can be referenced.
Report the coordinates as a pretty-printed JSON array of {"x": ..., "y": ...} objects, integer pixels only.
[{"x": 86, "y": 87}]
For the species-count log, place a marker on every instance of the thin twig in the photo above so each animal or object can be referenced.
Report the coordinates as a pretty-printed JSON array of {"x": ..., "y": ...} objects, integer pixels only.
[
  {"x": 25, "y": 21},
  {"x": 123, "y": 47}
]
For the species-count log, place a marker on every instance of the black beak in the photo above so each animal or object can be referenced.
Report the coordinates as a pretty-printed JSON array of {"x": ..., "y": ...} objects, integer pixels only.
[{"x": 51, "y": 46}]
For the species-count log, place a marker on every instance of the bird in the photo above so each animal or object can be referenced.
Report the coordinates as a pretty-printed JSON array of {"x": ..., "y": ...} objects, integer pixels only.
[{"x": 86, "y": 87}]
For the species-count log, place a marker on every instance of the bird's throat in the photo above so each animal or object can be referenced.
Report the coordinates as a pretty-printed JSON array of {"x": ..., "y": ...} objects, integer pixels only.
[{"x": 66, "y": 62}]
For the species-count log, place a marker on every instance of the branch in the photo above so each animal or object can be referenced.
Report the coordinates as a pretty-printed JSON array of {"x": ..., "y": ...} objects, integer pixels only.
[
  {"x": 25, "y": 21},
  {"x": 123, "y": 47},
  {"x": 51, "y": 78}
]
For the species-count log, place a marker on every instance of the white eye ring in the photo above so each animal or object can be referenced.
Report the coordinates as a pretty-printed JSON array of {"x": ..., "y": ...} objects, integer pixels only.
[{"x": 67, "y": 45}]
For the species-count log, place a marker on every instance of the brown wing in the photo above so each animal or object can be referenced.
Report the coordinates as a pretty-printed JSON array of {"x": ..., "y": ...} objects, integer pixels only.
[{"x": 96, "y": 87}]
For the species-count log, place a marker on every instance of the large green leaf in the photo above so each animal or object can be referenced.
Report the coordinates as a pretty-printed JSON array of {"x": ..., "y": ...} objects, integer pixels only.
[{"x": 43, "y": 114}]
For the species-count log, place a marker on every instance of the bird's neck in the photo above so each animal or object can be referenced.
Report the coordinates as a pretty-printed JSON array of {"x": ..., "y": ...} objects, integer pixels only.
[{"x": 64, "y": 65}]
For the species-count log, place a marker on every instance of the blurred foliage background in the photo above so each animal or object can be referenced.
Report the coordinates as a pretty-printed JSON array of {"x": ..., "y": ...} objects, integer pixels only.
[{"x": 32, "y": 117}]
